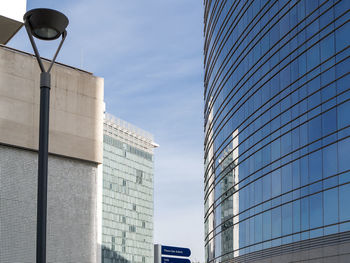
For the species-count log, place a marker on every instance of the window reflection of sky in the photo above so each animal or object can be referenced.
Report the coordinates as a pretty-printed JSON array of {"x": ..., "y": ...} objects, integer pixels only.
[{"x": 284, "y": 90}]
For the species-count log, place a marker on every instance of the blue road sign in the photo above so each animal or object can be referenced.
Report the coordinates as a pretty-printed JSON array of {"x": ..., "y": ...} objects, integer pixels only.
[
  {"x": 176, "y": 251},
  {"x": 175, "y": 260}
]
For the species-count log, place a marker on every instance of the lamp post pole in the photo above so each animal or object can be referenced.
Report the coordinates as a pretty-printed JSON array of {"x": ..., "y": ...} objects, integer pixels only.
[
  {"x": 45, "y": 24},
  {"x": 42, "y": 166}
]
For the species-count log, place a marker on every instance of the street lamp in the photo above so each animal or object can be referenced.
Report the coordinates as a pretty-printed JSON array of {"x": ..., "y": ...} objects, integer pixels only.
[{"x": 44, "y": 24}]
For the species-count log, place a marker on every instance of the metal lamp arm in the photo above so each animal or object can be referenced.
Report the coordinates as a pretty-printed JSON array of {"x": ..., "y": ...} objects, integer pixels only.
[
  {"x": 27, "y": 26},
  {"x": 36, "y": 51},
  {"x": 64, "y": 34}
]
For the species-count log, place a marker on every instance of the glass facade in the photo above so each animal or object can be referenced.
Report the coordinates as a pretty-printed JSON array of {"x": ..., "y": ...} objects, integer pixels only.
[
  {"x": 127, "y": 206},
  {"x": 277, "y": 123}
]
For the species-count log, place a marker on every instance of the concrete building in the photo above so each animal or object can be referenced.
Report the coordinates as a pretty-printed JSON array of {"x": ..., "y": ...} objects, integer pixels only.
[
  {"x": 11, "y": 18},
  {"x": 277, "y": 131},
  {"x": 127, "y": 225},
  {"x": 75, "y": 157}
]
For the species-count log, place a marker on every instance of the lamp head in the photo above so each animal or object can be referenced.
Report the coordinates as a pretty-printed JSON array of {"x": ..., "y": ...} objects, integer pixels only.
[{"x": 46, "y": 24}]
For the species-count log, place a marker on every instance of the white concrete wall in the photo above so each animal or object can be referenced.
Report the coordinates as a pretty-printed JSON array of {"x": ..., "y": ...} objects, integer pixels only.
[{"x": 72, "y": 227}]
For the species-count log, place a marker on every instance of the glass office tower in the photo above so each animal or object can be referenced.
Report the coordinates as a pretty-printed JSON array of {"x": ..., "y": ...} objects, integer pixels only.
[
  {"x": 127, "y": 206},
  {"x": 277, "y": 130}
]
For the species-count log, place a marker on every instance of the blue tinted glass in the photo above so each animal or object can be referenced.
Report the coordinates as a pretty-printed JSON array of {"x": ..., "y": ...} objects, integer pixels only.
[
  {"x": 344, "y": 156},
  {"x": 329, "y": 160},
  {"x": 296, "y": 216},
  {"x": 327, "y": 47},
  {"x": 267, "y": 225},
  {"x": 315, "y": 169},
  {"x": 287, "y": 219},
  {"x": 345, "y": 227},
  {"x": 344, "y": 178},
  {"x": 251, "y": 230},
  {"x": 316, "y": 211},
  {"x": 275, "y": 149},
  {"x": 287, "y": 180},
  {"x": 242, "y": 234},
  {"x": 276, "y": 222},
  {"x": 330, "y": 182},
  {"x": 344, "y": 207},
  {"x": 342, "y": 38},
  {"x": 258, "y": 228},
  {"x": 330, "y": 203},
  {"x": 293, "y": 135},
  {"x": 315, "y": 129},
  {"x": 266, "y": 187},
  {"x": 315, "y": 187},
  {"x": 304, "y": 168},
  {"x": 316, "y": 233},
  {"x": 276, "y": 182},
  {"x": 258, "y": 191},
  {"x": 331, "y": 230},
  {"x": 304, "y": 207},
  {"x": 343, "y": 115},
  {"x": 329, "y": 122},
  {"x": 296, "y": 174}
]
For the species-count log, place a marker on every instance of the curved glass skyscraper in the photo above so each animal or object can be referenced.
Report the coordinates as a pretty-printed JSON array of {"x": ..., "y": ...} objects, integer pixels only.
[{"x": 277, "y": 130}]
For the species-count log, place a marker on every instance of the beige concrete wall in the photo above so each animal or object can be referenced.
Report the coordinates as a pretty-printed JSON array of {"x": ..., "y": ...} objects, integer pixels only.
[{"x": 76, "y": 108}]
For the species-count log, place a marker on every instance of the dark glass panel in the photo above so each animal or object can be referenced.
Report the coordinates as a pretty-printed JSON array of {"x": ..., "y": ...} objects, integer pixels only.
[
  {"x": 330, "y": 203},
  {"x": 316, "y": 210},
  {"x": 305, "y": 212},
  {"x": 329, "y": 160},
  {"x": 344, "y": 207},
  {"x": 276, "y": 222}
]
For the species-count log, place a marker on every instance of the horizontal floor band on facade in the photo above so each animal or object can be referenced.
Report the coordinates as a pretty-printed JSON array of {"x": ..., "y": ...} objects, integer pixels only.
[{"x": 319, "y": 242}]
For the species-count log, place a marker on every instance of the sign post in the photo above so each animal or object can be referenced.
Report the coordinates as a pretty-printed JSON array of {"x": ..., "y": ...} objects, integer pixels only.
[{"x": 178, "y": 254}]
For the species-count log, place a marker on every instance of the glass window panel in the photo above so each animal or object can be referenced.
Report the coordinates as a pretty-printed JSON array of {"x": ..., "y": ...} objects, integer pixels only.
[
  {"x": 305, "y": 212},
  {"x": 276, "y": 222},
  {"x": 275, "y": 149},
  {"x": 287, "y": 223},
  {"x": 343, "y": 115},
  {"x": 344, "y": 178},
  {"x": 258, "y": 191},
  {"x": 315, "y": 129},
  {"x": 342, "y": 38},
  {"x": 344, "y": 156},
  {"x": 304, "y": 175},
  {"x": 330, "y": 160},
  {"x": 327, "y": 46},
  {"x": 258, "y": 228},
  {"x": 296, "y": 174},
  {"x": 316, "y": 187},
  {"x": 251, "y": 230},
  {"x": 329, "y": 121},
  {"x": 330, "y": 204},
  {"x": 287, "y": 180},
  {"x": 316, "y": 233},
  {"x": 296, "y": 216},
  {"x": 330, "y": 182},
  {"x": 344, "y": 227},
  {"x": 316, "y": 210},
  {"x": 331, "y": 230},
  {"x": 342, "y": 84},
  {"x": 267, "y": 225},
  {"x": 344, "y": 207},
  {"x": 276, "y": 182},
  {"x": 315, "y": 169}
]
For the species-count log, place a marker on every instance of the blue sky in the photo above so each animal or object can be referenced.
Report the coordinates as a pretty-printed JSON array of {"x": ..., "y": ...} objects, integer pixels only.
[{"x": 150, "y": 54}]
